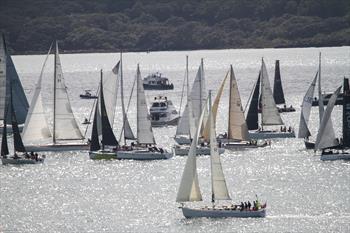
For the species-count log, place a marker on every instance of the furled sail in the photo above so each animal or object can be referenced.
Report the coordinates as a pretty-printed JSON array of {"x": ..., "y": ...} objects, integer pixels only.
[
  {"x": 36, "y": 127},
  {"x": 237, "y": 126},
  {"x": 324, "y": 139},
  {"x": 65, "y": 126},
  {"x": 219, "y": 187},
  {"x": 346, "y": 114},
  {"x": 252, "y": 116},
  {"x": 144, "y": 128},
  {"x": 189, "y": 187},
  {"x": 304, "y": 131},
  {"x": 278, "y": 94},
  {"x": 269, "y": 114}
]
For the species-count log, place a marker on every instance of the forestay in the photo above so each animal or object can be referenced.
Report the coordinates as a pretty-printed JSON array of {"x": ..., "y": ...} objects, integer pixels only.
[
  {"x": 144, "y": 128},
  {"x": 269, "y": 114},
  {"x": 65, "y": 126}
]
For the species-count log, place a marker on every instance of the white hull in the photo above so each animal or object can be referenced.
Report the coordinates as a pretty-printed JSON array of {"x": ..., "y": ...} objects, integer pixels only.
[
  {"x": 181, "y": 140},
  {"x": 166, "y": 122},
  {"x": 143, "y": 155},
  {"x": 270, "y": 134},
  {"x": 335, "y": 156},
  {"x": 222, "y": 213},
  {"x": 243, "y": 145},
  {"x": 58, "y": 147},
  {"x": 20, "y": 161},
  {"x": 183, "y": 150}
]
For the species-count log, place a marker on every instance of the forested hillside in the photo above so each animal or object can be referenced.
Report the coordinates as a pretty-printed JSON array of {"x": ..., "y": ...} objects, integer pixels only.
[{"x": 110, "y": 25}]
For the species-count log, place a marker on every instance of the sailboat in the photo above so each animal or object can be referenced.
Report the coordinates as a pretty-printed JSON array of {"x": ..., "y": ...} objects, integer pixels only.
[
  {"x": 195, "y": 103},
  {"x": 19, "y": 99},
  {"x": 238, "y": 135},
  {"x": 36, "y": 133},
  {"x": 189, "y": 190},
  {"x": 101, "y": 123},
  {"x": 269, "y": 115},
  {"x": 304, "y": 131},
  {"x": 188, "y": 119},
  {"x": 333, "y": 149},
  {"x": 278, "y": 93},
  {"x": 24, "y": 158},
  {"x": 145, "y": 148}
]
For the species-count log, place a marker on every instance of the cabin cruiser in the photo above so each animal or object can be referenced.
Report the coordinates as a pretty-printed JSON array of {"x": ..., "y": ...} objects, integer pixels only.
[
  {"x": 163, "y": 112},
  {"x": 155, "y": 81}
]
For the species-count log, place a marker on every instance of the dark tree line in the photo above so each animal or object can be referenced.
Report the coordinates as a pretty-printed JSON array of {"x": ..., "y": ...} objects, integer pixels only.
[{"x": 110, "y": 25}]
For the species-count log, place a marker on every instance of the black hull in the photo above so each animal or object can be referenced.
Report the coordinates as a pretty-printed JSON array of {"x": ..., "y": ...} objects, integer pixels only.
[
  {"x": 309, "y": 145},
  {"x": 87, "y": 97},
  {"x": 158, "y": 87}
]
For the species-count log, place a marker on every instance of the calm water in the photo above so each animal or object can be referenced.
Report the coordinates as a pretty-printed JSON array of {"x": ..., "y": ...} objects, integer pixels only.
[{"x": 71, "y": 193}]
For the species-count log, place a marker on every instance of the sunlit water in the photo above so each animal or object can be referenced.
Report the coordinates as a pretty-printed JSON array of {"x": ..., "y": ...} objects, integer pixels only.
[{"x": 71, "y": 193}]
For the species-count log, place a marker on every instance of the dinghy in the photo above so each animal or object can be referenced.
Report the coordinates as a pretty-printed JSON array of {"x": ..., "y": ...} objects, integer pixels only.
[
  {"x": 269, "y": 115},
  {"x": 189, "y": 190}
]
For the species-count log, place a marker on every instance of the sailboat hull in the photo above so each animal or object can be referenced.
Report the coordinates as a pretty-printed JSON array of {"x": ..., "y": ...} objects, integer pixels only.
[
  {"x": 143, "y": 155},
  {"x": 270, "y": 134},
  {"x": 58, "y": 147},
  {"x": 309, "y": 145},
  {"x": 99, "y": 155},
  {"x": 222, "y": 213},
  {"x": 243, "y": 145},
  {"x": 335, "y": 156},
  {"x": 20, "y": 161},
  {"x": 183, "y": 150}
]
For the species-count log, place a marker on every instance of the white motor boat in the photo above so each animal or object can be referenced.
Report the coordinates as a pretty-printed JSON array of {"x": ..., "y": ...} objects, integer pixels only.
[
  {"x": 155, "y": 81},
  {"x": 163, "y": 112}
]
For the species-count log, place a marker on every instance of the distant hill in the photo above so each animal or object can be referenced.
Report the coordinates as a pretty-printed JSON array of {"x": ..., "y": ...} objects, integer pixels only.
[{"x": 110, "y": 25}]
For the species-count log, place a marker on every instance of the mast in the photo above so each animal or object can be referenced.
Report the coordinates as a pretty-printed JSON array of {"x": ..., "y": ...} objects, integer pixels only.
[{"x": 54, "y": 96}]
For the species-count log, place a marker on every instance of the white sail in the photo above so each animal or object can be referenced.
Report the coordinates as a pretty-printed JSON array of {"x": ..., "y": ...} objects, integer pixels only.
[
  {"x": 183, "y": 126},
  {"x": 324, "y": 138},
  {"x": 198, "y": 94},
  {"x": 306, "y": 109},
  {"x": 189, "y": 187},
  {"x": 36, "y": 127},
  {"x": 144, "y": 128},
  {"x": 110, "y": 91},
  {"x": 219, "y": 188},
  {"x": 269, "y": 114},
  {"x": 2, "y": 78},
  {"x": 237, "y": 126},
  {"x": 65, "y": 126}
]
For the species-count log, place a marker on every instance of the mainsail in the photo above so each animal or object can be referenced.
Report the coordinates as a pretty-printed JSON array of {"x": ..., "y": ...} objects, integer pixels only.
[
  {"x": 278, "y": 94},
  {"x": 2, "y": 78},
  {"x": 36, "y": 127},
  {"x": 324, "y": 139},
  {"x": 304, "y": 131},
  {"x": 346, "y": 114},
  {"x": 144, "y": 128},
  {"x": 237, "y": 126},
  {"x": 219, "y": 188},
  {"x": 110, "y": 90},
  {"x": 64, "y": 126},
  {"x": 269, "y": 114}
]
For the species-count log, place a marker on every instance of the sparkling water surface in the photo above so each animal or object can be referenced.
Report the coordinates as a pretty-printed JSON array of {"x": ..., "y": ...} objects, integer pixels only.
[{"x": 71, "y": 193}]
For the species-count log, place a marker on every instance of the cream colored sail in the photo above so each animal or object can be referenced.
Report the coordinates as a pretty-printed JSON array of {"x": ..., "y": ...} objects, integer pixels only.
[
  {"x": 237, "y": 126},
  {"x": 215, "y": 108},
  {"x": 269, "y": 114},
  {"x": 65, "y": 126},
  {"x": 219, "y": 188},
  {"x": 36, "y": 128},
  {"x": 144, "y": 128},
  {"x": 189, "y": 187}
]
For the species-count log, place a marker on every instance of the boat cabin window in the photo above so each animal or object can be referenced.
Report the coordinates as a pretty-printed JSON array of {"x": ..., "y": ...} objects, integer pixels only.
[
  {"x": 162, "y": 104},
  {"x": 156, "y": 104}
]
